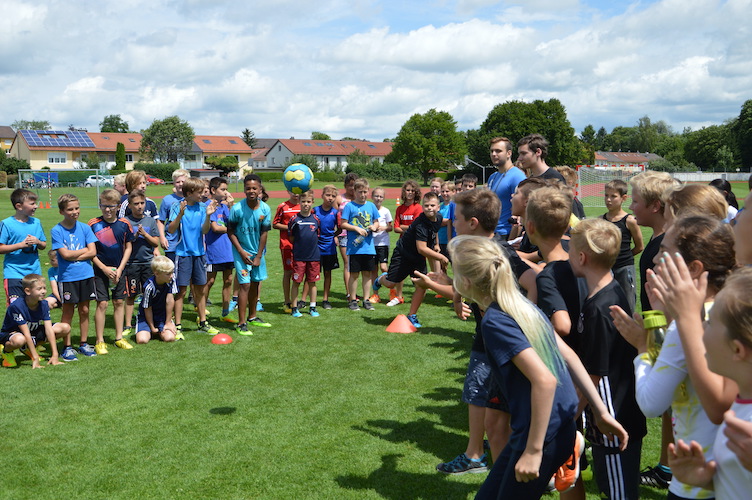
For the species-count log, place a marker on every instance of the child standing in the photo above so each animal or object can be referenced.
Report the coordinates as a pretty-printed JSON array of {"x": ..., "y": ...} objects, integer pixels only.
[
  {"x": 381, "y": 238},
  {"x": 607, "y": 357},
  {"x": 136, "y": 179},
  {"x": 328, "y": 220},
  {"x": 114, "y": 246},
  {"x": 218, "y": 246},
  {"x": 406, "y": 213},
  {"x": 342, "y": 201},
  {"x": 285, "y": 212},
  {"x": 76, "y": 246},
  {"x": 446, "y": 209},
  {"x": 170, "y": 240},
  {"x": 53, "y": 300},
  {"x": 146, "y": 238},
  {"x": 157, "y": 304},
  {"x": 192, "y": 219},
  {"x": 21, "y": 237},
  {"x": 248, "y": 229},
  {"x": 360, "y": 218},
  {"x": 304, "y": 229},
  {"x": 418, "y": 243},
  {"x": 616, "y": 195},
  {"x": 27, "y": 322}
]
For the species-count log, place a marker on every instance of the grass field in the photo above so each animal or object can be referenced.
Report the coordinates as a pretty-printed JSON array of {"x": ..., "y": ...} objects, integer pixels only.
[{"x": 328, "y": 407}]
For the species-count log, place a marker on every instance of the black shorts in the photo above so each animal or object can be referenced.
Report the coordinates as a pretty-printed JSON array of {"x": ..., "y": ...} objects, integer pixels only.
[
  {"x": 102, "y": 287},
  {"x": 329, "y": 262},
  {"x": 75, "y": 292},
  {"x": 217, "y": 268},
  {"x": 382, "y": 254},
  {"x": 360, "y": 263},
  {"x": 136, "y": 274},
  {"x": 400, "y": 268}
]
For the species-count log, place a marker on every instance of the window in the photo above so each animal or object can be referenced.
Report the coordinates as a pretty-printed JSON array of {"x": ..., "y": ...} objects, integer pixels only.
[
  {"x": 233, "y": 156},
  {"x": 372, "y": 146},
  {"x": 207, "y": 141},
  {"x": 233, "y": 141},
  {"x": 279, "y": 148},
  {"x": 190, "y": 157},
  {"x": 274, "y": 161},
  {"x": 57, "y": 158},
  {"x": 131, "y": 139},
  {"x": 306, "y": 144},
  {"x": 128, "y": 157},
  {"x": 320, "y": 144},
  {"x": 110, "y": 157}
]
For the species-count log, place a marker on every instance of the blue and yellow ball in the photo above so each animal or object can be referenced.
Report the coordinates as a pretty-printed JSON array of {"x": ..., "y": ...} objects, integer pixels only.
[{"x": 298, "y": 178}]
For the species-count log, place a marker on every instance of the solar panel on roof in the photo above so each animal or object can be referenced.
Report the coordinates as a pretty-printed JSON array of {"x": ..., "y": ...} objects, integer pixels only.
[{"x": 57, "y": 138}]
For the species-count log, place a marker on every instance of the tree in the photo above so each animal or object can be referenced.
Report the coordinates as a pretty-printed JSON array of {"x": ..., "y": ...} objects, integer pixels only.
[
  {"x": 516, "y": 119},
  {"x": 702, "y": 145},
  {"x": 92, "y": 161},
  {"x": 428, "y": 143},
  {"x": 743, "y": 133},
  {"x": 600, "y": 139},
  {"x": 647, "y": 135},
  {"x": 113, "y": 124},
  {"x": 358, "y": 157},
  {"x": 320, "y": 136},
  {"x": 167, "y": 140},
  {"x": 588, "y": 135},
  {"x": 31, "y": 125},
  {"x": 120, "y": 156},
  {"x": 308, "y": 160},
  {"x": 724, "y": 159},
  {"x": 12, "y": 165},
  {"x": 228, "y": 164},
  {"x": 249, "y": 138}
]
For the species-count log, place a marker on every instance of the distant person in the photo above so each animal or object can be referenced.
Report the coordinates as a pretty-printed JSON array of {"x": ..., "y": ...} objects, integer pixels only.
[{"x": 724, "y": 187}]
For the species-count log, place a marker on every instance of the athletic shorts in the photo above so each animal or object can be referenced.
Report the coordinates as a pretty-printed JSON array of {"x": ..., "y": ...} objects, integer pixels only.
[
  {"x": 360, "y": 263},
  {"x": 286, "y": 258},
  {"x": 477, "y": 380},
  {"x": 400, "y": 268},
  {"x": 190, "y": 270},
  {"x": 496, "y": 399},
  {"x": 308, "y": 270},
  {"x": 171, "y": 256},
  {"x": 39, "y": 336},
  {"x": 143, "y": 326},
  {"x": 329, "y": 262},
  {"x": 136, "y": 274},
  {"x": 103, "y": 285},
  {"x": 218, "y": 268},
  {"x": 382, "y": 254},
  {"x": 343, "y": 239},
  {"x": 616, "y": 470},
  {"x": 247, "y": 273},
  {"x": 13, "y": 290},
  {"x": 74, "y": 292}
]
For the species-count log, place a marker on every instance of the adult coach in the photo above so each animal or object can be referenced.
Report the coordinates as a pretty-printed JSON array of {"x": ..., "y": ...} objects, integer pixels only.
[
  {"x": 504, "y": 181},
  {"x": 531, "y": 152}
]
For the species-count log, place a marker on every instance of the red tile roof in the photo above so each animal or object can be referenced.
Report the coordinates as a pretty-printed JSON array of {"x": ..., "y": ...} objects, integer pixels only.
[
  {"x": 221, "y": 144},
  {"x": 336, "y": 148},
  {"x": 107, "y": 141},
  {"x": 625, "y": 157}
]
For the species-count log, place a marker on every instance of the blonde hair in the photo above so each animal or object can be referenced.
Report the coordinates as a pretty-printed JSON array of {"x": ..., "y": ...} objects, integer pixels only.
[
  {"x": 651, "y": 185},
  {"x": 162, "y": 264},
  {"x": 696, "y": 198},
  {"x": 329, "y": 188},
  {"x": 449, "y": 185},
  {"x": 599, "y": 239},
  {"x": 180, "y": 172},
  {"x": 62, "y": 202},
  {"x": 193, "y": 184},
  {"x": 360, "y": 183},
  {"x": 734, "y": 305},
  {"x": 482, "y": 273},
  {"x": 29, "y": 280},
  {"x": 133, "y": 178},
  {"x": 119, "y": 179},
  {"x": 109, "y": 196},
  {"x": 569, "y": 174},
  {"x": 550, "y": 208},
  {"x": 306, "y": 195}
]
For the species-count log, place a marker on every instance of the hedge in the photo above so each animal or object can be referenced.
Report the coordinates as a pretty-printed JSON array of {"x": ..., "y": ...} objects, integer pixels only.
[{"x": 159, "y": 170}]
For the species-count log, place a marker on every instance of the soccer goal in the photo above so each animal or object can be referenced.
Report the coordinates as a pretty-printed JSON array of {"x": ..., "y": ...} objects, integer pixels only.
[
  {"x": 592, "y": 180},
  {"x": 50, "y": 184}
]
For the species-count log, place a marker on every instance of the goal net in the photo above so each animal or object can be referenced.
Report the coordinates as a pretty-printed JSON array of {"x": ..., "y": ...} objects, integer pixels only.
[
  {"x": 592, "y": 180},
  {"x": 50, "y": 184}
]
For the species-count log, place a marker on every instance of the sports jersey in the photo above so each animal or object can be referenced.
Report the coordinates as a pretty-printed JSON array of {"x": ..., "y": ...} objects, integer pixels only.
[
  {"x": 155, "y": 296},
  {"x": 305, "y": 235},
  {"x": 731, "y": 479},
  {"x": 328, "y": 228},
  {"x": 504, "y": 184},
  {"x": 191, "y": 240},
  {"x": 646, "y": 262},
  {"x": 164, "y": 215},
  {"x": 18, "y": 313},
  {"x": 361, "y": 216},
  {"x": 23, "y": 261},
  {"x": 406, "y": 214},
  {"x": 422, "y": 229},
  {"x": 142, "y": 251},
  {"x": 625, "y": 257},
  {"x": 77, "y": 238},
  {"x": 218, "y": 245},
  {"x": 150, "y": 209},
  {"x": 285, "y": 212},
  {"x": 248, "y": 224},
  {"x": 111, "y": 237},
  {"x": 381, "y": 237}
]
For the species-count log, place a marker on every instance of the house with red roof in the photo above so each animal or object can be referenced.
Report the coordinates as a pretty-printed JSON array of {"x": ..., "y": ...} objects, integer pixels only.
[
  {"x": 105, "y": 145},
  {"x": 331, "y": 155},
  {"x": 618, "y": 158},
  {"x": 6, "y": 138}
]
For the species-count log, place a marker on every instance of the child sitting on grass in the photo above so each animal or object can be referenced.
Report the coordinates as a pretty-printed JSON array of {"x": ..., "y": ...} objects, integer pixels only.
[
  {"x": 27, "y": 322},
  {"x": 157, "y": 304},
  {"x": 418, "y": 243}
]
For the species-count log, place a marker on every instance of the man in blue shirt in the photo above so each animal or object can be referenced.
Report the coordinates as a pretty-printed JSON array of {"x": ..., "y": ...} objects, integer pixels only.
[{"x": 504, "y": 181}]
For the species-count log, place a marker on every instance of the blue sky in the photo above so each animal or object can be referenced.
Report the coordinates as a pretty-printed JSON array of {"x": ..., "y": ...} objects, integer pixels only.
[{"x": 361, "y": 68}]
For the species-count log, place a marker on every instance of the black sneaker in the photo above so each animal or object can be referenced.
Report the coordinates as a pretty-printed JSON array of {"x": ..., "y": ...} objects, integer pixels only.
[
  {"x": 655, "y": 477},
  {"x": 302, "y": 304},
  {"x": 367, "y": 305},
  {"x": 326, "y": 304},
  {"x": 354, "y": 305},
  {"x": 463, "y": 465}
]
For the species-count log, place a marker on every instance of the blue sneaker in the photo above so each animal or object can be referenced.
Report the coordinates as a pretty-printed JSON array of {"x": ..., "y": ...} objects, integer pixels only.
[
  {"x": 233, "y": 305},
  {"x": 314, "y": 313},
  {"x": 87, "y": 350},
  {"x": 463, "y": 465},
  {"x": 295, "y": 313},
  {"x": 377, "y": 283},
  {"x": 414, "y": 320},
  {"x": 69, "y": 354},
  {"x": 259, "y": 306}
]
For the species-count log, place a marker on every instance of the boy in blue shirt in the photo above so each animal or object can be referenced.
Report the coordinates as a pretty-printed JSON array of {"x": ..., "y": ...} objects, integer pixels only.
[
  {"x": 218, "y": 246},
  {"x": 157, "y": 304},
  {"x": 76, "y": 246},
  {"x": 327, "y": 214},
  {"x": 304, "y": 230},
  {"x": 360, "y": 218},
  {"x": 167, "y": 239},
  {"x": 114, "y": 246},
  {"x": 192, "y": 219},
  {"x": 21, "y": 237},
  {"x": 53, "y": 299},
  {"x": 27, "y": 322},
  {"x": 248, "y": 229}
]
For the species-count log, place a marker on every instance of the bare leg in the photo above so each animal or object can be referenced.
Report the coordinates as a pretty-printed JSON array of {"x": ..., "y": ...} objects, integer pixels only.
[
  {"x": 118, "y": 308},
  {"x": 99, "y": 318},
  {"x": 199, "y": 297},
  {"x": 179, "y": 299},
  {"x": 243, "y": 296},
  {"x": 498, "y": 430},
  {"x": 83, "y": 320},
  {"x": 475, "y": 418}
]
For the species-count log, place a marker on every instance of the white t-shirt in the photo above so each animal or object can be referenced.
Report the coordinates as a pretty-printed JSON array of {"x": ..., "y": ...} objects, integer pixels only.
[
  {"x": 665, "y": 384},
  {"x": 731, "y": 480},
  {"x": 381, "y": 237}
]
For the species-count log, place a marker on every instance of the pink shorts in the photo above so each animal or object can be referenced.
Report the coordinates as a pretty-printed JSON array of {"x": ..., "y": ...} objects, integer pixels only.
[
  {"x": 308, "y": 270},
  {"x": 286, "y": 258}
]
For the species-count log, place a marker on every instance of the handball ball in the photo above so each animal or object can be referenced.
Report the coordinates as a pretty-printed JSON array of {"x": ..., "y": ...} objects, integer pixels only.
[{"x": 298, "y": 178}]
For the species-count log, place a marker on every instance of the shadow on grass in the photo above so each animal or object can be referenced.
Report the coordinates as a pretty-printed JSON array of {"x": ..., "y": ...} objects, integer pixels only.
[
  {"x": 389, "y": 482},
  {"x": 223, "y": 410}
]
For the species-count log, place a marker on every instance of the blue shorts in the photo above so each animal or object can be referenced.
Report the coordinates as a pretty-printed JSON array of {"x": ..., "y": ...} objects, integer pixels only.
[
  {"x": 39, "y": 336},
  {"x": 190, "y": 270},
  {"x": 13, "y": 290},
  {"x": 247, "y": 273},
  {"x": 143, "y": 326},
  {"x": 477, "y": 380}
]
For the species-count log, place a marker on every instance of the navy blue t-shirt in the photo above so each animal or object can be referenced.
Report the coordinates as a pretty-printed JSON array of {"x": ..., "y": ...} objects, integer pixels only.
[
  {"x": 305, "y": 233},
  {"x": 18, "y": 313},
  {"x": 112, "y": 237},
  {"x": 155, "y": 296}
]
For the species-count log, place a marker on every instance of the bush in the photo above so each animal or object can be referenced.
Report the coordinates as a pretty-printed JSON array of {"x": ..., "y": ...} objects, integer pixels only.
[
  {"x": 159, "y": 170},
  {"x": 384, "y": 171},
  {"x": 12, "y": 180},
  {"x": 3, "y": 179}
]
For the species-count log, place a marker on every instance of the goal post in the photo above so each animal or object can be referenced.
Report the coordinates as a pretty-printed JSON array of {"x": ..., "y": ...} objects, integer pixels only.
[
  {"x": 50, "y": 184},
  {"x": 592, "y": 180}
]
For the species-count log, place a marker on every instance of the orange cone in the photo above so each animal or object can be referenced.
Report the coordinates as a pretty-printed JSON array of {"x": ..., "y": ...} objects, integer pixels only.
[
  {"x": 48, "y": 205},
  {"x": 401, "y": 324}
]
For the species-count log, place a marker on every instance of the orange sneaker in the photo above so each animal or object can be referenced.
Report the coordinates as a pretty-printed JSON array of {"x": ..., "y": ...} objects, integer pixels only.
[
  {"x": 374, "y": 299},
  {"x": 392, "y": 293},
  {"x": 566, "y": 477}
]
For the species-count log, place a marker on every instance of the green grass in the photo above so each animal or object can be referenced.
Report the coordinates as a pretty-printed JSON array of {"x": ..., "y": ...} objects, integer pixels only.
[{"x": 329, "y": 407}]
